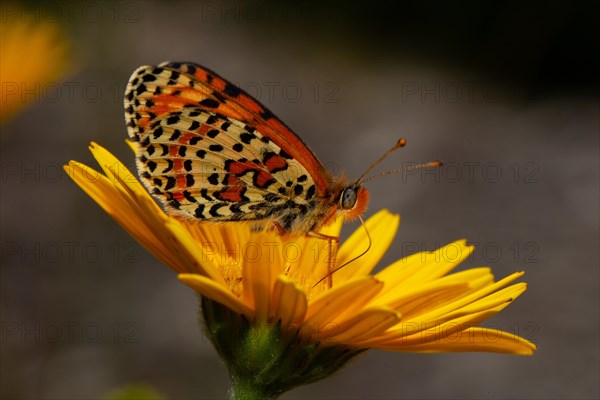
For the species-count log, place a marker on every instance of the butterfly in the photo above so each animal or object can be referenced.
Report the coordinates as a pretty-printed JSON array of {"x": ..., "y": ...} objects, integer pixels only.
[{"x": 209, "y": 151}]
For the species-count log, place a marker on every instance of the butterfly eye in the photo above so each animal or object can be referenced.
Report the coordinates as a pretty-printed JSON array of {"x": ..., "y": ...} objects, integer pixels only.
[{"x": 348, "y": 198}]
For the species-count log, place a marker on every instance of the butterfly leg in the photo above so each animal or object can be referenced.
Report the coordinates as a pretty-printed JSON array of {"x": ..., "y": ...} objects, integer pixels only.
[
  {"x": 280, "y": 229},
  {"x": 332, "y": 249}
]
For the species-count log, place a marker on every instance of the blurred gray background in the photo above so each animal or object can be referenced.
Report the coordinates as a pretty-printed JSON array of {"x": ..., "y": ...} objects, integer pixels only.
[{"x": 506, "y": 94}]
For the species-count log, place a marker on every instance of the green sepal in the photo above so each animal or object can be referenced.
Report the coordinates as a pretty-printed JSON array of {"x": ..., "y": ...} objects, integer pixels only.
[{"x": 265, "y": 361}]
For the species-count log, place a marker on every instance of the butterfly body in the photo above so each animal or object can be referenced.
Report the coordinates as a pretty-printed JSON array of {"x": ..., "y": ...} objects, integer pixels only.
[{"x": 209, "y": 151}]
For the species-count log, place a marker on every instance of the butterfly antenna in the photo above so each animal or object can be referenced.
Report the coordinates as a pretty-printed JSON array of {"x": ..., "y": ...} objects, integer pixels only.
[
  {"x": 362, "y": 221},
  {"x": 434, "y": 164},
  {"x": 401, "y": 143}
]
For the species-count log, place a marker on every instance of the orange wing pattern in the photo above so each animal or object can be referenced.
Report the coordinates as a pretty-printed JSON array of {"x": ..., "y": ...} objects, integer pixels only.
[{"x": 209, "y": 151}]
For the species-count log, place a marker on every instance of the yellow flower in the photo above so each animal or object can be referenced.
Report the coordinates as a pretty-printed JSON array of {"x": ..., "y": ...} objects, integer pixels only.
[
  {"x": 412, "y": 305},
  {"x": 33, "y": 55}
]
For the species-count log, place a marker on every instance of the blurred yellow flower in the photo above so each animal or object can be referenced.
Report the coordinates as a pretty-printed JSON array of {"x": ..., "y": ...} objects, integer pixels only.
[{"x": 33, "y": 55}]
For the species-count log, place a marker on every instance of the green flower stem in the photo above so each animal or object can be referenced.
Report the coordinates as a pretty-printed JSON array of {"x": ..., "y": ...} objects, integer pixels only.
[{"x": 246, "y": 389}]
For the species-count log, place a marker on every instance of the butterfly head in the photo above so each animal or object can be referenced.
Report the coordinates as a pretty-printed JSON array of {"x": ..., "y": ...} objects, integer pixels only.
[{"x": 353, "y": 201}]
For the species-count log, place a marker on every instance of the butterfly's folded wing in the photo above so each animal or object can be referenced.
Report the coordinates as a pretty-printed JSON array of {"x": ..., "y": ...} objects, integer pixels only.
[{"x": 210, "y": 151}]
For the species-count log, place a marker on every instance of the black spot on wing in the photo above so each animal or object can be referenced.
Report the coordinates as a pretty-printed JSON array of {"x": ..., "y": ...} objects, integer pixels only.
[
  {"x": 247, "y": 137},
  {"x": 213, "y": 133},
  {"x": 169, "y": 166},
  {"x": 204, "y": 194},
  {"x": 220, "y": 98},
  {"x": 199, "y": 212},
  {"x": 140, "y": 89},
  {"x": 266, "y": 114},
  {"x": 231, "y": 90},
  {"x": 157, "y": 132},
  {"x": 238, "y": 147},
  {"x": 170, "y": 183},
  {"x": 175, "y": 204},
  {"x": 189, "y": 180},
  {"x": 188, "y": 196},
  {"x": 209, "y": 103},
  {"x": 235, "y": 208},
  {"x": 213, "y": 179},
  {"x": 214, "y": 210},
  {"x": 285, "y": 155},
  {"x": 271, "y": 197},
  {"x": 211, "y": 120},
  {"x": 176, "y": 134},
  {"x": 310, "y": 192}
]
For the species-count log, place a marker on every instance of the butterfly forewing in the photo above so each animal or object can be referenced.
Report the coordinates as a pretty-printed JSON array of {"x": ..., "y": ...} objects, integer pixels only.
[{"x": 210, "y": 157}]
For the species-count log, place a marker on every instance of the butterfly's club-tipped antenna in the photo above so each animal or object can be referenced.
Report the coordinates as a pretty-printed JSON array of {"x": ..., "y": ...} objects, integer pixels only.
[
  {"x": 431, "y": 164},
  {"x": 401, "y": 143},
  {"x": 361, "y": 180}
]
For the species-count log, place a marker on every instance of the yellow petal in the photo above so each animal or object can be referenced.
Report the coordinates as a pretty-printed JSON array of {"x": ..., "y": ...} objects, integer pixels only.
[
  {"x": 183, "y": 245},
  {"x": 424, "y": 267},
  {"x": 434, "y": 294},
  {"x": 366, "y": 324},
  {"x": 120, "y": 174},
  {"x": 463, "y": 301},
  {"x": 307, "y": 260},
  {"x": 209, "y": 288},
  {"x": 334, "y": 229},
  {"x": 290, "y": 304},
  {"x": 96, "y": 185},
  {"x": 473, "y": 339},
  {"x": 262, "y": 265},
  {"x": 472, "y": 278},
  {"x": 493, "y": 303},
  {"x": 486, "y": 306},
  {"x": 382, "y": 228},
  {"x": 417, "y": 331},
  {"x": 426, "y": 297},
  {"x": 345, "y": 299}
]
